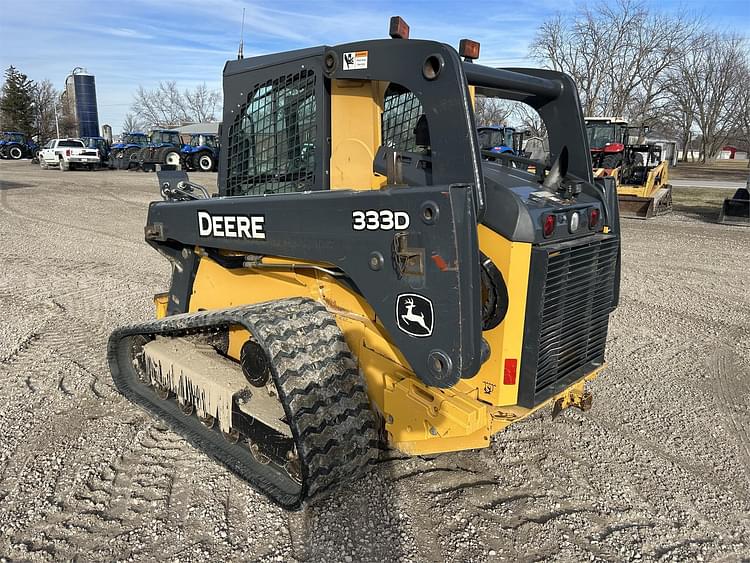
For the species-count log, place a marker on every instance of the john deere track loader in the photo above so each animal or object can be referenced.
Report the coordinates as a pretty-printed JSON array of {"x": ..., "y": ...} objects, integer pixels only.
[{"x": 366, "y": 275}]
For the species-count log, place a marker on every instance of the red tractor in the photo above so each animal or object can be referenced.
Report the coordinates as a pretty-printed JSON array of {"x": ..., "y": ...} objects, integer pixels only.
[{"x": 607, "y": 139}]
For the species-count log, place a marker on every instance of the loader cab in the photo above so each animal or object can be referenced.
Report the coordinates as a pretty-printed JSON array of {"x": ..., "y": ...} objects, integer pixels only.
[
  {"x": 390, "y": 115},
  {"x": 293, "y": 130}
]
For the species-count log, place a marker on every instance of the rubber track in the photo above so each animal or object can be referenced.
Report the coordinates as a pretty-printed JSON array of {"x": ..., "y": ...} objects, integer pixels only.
[{"x": 318, "y": 382}]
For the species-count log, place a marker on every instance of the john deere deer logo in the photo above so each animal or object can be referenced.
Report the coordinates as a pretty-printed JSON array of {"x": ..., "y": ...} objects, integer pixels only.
[{"x": 414, "y": 314}]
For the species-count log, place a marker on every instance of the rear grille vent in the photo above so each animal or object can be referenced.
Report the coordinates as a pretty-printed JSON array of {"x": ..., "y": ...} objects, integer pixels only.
[{"x": 572, "y": 316}]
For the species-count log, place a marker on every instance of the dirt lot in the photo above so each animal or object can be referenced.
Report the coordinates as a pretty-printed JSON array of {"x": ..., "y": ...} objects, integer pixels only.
[{"x": 659, "y": 469}]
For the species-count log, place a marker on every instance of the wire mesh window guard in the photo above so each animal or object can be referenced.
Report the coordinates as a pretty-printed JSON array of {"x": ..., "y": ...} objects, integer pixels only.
[
  {"x": 401, "y": 110},
  {"x": 271, "y": 145}
]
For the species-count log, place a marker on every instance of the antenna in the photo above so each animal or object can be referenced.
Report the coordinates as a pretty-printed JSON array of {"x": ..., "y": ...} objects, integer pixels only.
[{"x": 240, "y": 54}]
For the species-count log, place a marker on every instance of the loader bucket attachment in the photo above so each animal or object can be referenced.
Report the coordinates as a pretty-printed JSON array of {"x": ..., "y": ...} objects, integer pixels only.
[
  {"x": 736, "y": 210},
  {"x": 646, "y": 207}
]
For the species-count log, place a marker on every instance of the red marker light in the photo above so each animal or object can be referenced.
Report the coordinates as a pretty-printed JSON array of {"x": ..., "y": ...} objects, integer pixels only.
[
  {"x": 509, "y": 373},
  {"x": 469, "y": 49},
  {"x": 398, "y": 28},
  {"x": 593, "y": 218},
  {"x": 548, "y": 225}
]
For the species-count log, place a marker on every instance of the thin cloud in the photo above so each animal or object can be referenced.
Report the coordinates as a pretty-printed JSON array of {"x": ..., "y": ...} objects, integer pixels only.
[
  {"x": 190, "y": 42},
  {"x": 125, "y": 32}
]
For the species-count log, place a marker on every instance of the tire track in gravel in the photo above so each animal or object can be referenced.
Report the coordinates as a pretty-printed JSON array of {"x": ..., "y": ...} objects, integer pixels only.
[
  {"x": 6, "y": 208},
  {"x": 731, "y": 383},
  {"x": 19, "y": 348},
  {"x": 72, "y": 356},
  {"x": 115, "y": 499},
  {"x": 141, "y": 205},
  {"x": 99, "y": 195}
]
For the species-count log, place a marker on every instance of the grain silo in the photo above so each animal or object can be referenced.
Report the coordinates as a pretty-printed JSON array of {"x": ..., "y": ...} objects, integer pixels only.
[{"x": 80, "y": 91}]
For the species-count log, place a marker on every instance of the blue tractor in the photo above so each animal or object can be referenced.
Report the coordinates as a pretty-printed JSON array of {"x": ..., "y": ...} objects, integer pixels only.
[
  {"x": 497, "y": 139},
  {"x": 102, "y": 145},
  {"x": 15, "y": 145},
  {"x": 202, "y": 153},
  {"x": 163, "y": 148},
  {"x": 123, "y": 155}
]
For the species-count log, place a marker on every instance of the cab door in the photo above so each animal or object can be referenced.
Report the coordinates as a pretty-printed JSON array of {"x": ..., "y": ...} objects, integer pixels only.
[{"x": 48, "y": 152}]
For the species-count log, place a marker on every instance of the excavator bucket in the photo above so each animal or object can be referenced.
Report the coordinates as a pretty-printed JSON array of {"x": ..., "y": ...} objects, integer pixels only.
[{"x": 736, "y": 210}]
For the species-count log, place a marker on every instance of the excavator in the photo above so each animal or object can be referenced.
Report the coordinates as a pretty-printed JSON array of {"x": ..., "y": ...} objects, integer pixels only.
[{"x": 367, "y": 276}]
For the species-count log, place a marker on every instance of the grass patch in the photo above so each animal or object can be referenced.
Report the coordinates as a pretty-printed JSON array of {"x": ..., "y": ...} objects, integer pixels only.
[
  {"x": 720, "y": 170},
  {"x": 703, "y": 202}
]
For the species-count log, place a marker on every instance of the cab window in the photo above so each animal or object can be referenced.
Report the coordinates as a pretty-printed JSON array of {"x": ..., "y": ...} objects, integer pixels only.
[
  {"x": 402, "y": 120},
  {"x": 271, "y": 144}
]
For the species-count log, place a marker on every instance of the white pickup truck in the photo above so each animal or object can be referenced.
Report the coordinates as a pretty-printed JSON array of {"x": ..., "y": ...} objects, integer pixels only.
[{"x": 67, "y": 154}]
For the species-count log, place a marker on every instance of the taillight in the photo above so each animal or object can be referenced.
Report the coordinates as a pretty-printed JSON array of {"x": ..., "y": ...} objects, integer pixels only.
[
  {"x": 509, "y": 371},
  {"x": 548, "y": 225},
  {"x": 67, "y": 152},
  {"x": 593, "y": 218}
]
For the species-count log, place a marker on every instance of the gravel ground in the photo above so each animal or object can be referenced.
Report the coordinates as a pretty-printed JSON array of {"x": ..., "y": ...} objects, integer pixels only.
[{"x": 659, "y": 469}]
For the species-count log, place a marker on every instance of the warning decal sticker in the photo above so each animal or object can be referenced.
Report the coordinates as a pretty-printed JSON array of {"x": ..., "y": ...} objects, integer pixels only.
[{"x": 355, "y": 60}]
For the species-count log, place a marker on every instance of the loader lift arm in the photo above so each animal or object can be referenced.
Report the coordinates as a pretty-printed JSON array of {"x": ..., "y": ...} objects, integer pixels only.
[{"x": 447, "y": 272}]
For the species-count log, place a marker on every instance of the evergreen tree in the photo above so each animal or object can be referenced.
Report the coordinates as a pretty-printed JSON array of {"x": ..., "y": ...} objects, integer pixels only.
[{"x": 17, "y": 102}]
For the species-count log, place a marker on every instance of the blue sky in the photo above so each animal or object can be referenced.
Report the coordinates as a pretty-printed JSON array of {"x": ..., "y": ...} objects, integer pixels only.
[{"x": 137, "y": 42}]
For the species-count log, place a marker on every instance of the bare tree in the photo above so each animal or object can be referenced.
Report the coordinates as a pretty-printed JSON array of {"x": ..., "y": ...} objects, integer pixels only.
[
  {"x": 710, "y": 76},
  {"x": 617, "y": 53},
  {"x": 161, "y": 107},
  {"x": 528, "y": 120},
  {"x": 490, "y": 111},
  {"x": 46, "y": 104},
  {"x": 202, "y": 103},
  {"x": 741, "y": 126},
  {"x": 166, "y": 106},
  {"x": 574, "y": 48},
  {"x": 131, "y": 123}
]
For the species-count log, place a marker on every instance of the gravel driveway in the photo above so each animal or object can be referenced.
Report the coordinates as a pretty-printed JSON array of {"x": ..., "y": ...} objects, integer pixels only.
[{"x": 659, "y": 469}]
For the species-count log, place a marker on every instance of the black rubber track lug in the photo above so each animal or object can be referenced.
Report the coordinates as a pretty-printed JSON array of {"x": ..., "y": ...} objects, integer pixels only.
[{"x": 317, "y": 380}]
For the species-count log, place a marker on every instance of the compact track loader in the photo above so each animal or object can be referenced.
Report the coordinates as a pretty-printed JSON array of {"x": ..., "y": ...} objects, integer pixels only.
[
  {"x": 641, "y": 175},
  {"x": 367, "y": 275},
  {"x": 643, "y": 188}
]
